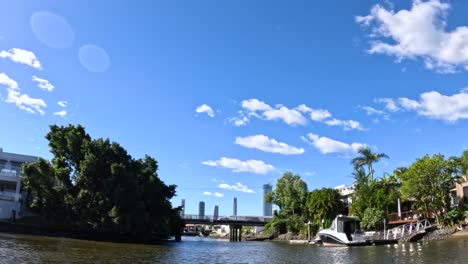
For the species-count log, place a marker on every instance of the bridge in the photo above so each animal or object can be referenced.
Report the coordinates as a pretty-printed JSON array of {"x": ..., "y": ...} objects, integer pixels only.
[
  {"x": 227, "y": 220},
  {"x": 235, "y": 223}
]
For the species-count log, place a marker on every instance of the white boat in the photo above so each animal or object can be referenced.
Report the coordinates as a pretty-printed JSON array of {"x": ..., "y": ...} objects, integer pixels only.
[{"x": 344, "y": 231}]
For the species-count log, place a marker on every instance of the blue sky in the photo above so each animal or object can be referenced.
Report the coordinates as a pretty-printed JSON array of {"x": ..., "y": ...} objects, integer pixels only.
[{"x": 278, "y": 86}]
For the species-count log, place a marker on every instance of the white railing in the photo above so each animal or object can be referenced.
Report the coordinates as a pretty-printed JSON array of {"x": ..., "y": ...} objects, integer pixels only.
[
  {"x": 407, "y": 229},
  {"x": 8, "y": 174}
]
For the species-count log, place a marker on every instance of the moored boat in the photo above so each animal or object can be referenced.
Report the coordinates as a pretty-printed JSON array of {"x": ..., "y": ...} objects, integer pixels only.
[{"x": 345, "y": 231}]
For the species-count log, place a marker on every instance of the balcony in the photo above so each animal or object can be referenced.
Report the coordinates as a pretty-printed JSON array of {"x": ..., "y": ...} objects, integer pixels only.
[
  {"x": 10, "y": 196},
  {"x": 9, "y": 175},
  {"x": 406, "y": 217}
]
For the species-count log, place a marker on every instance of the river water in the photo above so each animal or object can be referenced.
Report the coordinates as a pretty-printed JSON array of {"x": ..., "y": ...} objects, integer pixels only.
[{"x": 37, "y": 249}]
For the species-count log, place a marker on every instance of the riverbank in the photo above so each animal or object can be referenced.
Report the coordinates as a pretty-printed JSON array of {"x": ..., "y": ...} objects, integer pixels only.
[{"x": 48, "y": 231}]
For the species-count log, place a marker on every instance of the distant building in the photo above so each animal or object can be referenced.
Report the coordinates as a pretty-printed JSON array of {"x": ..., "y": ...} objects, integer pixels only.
[
  {"x": 234, "y": 207},
  {"x": 10, "y": 182},
  {"x": 216, "y": 213},
  {"x": 182, "y": 211},
  {"x": 346, "y": 192},
  {"x": 201, "y": 210},
  {"x": 267, "y": 207}
]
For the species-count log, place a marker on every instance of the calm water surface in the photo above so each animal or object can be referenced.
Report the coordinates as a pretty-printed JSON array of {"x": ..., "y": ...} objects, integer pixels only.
[{"x": 36, "y": 249}]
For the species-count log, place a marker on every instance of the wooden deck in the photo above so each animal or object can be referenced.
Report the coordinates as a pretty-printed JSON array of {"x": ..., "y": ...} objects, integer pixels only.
[{"x": 401, "y": 222}]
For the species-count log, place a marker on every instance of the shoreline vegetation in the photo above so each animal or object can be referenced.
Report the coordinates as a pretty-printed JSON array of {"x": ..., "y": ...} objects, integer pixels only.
[
  {"x": 424, "y": 188},
  {"x": 93, "y": 189}
]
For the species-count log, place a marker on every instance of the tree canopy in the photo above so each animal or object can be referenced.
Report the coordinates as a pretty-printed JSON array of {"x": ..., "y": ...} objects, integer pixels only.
[
  {"x": 428, "y": 182},
  {"x": 94, "y": 184}
]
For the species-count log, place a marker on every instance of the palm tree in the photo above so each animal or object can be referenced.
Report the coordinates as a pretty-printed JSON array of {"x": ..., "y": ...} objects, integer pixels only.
[{"x": 367, "y": 157}]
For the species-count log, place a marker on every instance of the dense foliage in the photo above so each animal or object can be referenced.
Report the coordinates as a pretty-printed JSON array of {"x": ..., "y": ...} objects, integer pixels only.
[
  {"x": 324, "y": 205},
  {"x": 428, "y": 181},
  {"x": 290, "y": 195},
  {"x": 94, "y": 184}
]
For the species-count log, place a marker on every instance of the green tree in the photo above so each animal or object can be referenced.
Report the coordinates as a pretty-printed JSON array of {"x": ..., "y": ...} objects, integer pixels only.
[
  {"x": 428, "y": 181},
  {"x": 367, "y": 158},
  {"x": 97, "y": 185},
  {"x": 290, "y": 195},
  {"x": 324, "y": 204}
]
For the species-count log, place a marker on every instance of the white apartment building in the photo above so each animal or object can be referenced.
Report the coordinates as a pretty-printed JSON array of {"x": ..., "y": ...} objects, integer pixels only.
[
  {"x": 10, "y": 182},
  {"x": 347, "y": 192}
]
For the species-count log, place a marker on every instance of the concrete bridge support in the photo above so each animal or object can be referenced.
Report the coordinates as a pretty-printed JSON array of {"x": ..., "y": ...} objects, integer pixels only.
[{"x": 235, "y": 233}]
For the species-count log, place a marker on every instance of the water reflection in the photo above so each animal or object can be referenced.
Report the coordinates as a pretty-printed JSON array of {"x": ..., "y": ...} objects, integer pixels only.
[{"x": 34, "y": 249}]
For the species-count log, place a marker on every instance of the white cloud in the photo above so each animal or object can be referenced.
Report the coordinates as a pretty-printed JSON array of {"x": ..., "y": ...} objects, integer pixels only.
[
  {"x": 8, "y": 82},
  {"x": 216, "y": 194},
  {"x": 438, "y": 106},
  {"x": 239, "y": 187},
  {"x": 255, "y": 105},
  {"x": 315, "y": 114},
  {"x": 62, "y": 103},
  {"x": 266, "y": 144},
  {"x": 204, "y": 108},
  {"x": 345, "y": 124},
  {"x": 389, "y": 103},
  {"x": 434, "y": 105},
  {"x": 253, "y": 166},
  {"x": 372, "y": 111},
  {"x": 291, "y": 116},
  {"x": 239, "y": 121},
  {"x": 22, "y": 101},
  {"x": 21, "y": 56},
  {"x": 327, "y": 145},
  {"x": 419, "y": 33},
  {"x": 43, "y": 84},
  {"x": 62, "y": 113}
]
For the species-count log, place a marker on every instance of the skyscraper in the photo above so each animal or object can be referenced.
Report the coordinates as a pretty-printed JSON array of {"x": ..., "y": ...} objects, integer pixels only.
[
  {"x": 234, "y": 207},
  {"x": 267, "y": 207},
  {"x": 182, "y": 211},
  {"x": 201, "y": 210},
  {"x": 216, "y": 213}
]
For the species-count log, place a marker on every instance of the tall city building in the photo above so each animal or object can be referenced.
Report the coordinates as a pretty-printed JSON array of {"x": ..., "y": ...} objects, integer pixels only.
[
  {"x": 182, "y": 211},
  {"x": 234, "y": 207},
  {"x": 267, "y": 207},
  {"x": 201, "y": 210},
  {"x": 216, "y": 213}
]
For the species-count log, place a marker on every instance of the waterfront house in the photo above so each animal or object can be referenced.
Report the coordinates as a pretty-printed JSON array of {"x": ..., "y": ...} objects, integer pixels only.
[
  {"x": 459, "y": 194},
  {"x": 10, "y": 183},
  {"x": 346, "y": 192}
]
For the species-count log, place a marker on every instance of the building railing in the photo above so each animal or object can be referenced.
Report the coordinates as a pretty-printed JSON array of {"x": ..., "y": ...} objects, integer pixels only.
[
  {"x": 8, "y": 174},
  {"x": 9, "y": 196},
  {"x": 408, "y": 215}
]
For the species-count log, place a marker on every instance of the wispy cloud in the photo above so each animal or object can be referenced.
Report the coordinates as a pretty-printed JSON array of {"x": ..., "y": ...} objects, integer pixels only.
[
  {"x": 62, "y": 103},
  {"x": 216, "y": 194},
  {"x": 62, "y": 113},
  {"x": 264, "y": 143},
  {"x": 43, "y": 84},
  {"x": 419, "y": 32},
  {"x": 204, "y": 108},
  {"x": 253, "y": 166},
  {"x": 254, "y": 108},
  {"x": 22, "y": 101},
  {"x": 21, "y": 56},
  {"x": 327, "y": 145},
  {"x": 238, "y": 187}
]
